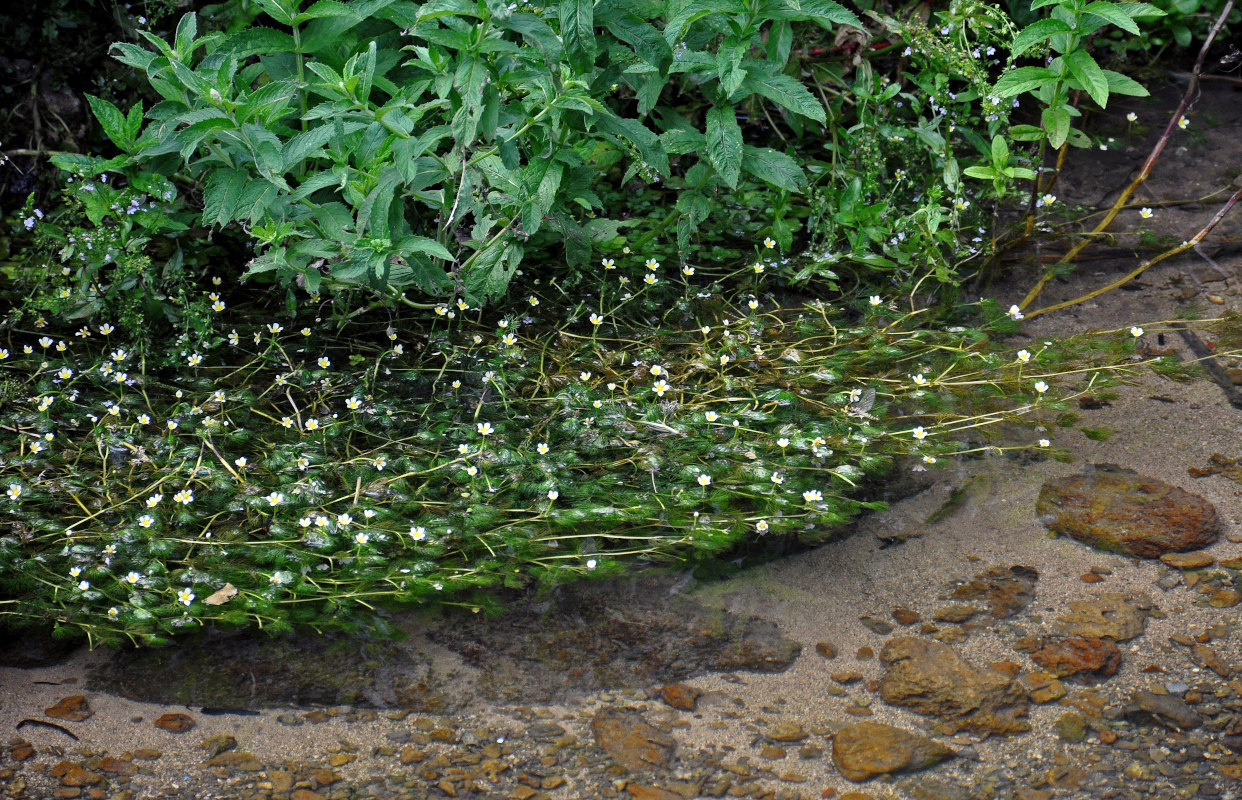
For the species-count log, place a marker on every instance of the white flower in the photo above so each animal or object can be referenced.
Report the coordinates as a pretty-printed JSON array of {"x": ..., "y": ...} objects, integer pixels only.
[
  {"x": 875, "y": 300},
  {"x": 778, "y": 478},
  {"x": 553, "y": 494},
  {"x": 185, "y": 596},
  {"x": 75, "y": 572},
  {"x": 542, "y": 448},
  {"x": 184, "y": 497},
  {"x": 1015, "y": 313},
  {"x": 812, "y": 495},
  {"x": 240, "y": 461},
  {"x": 312, "y": 424},
  {"x": 324, "y": 362},
  {"x": 1041, "y": 387},
  {"x": 929, "y": 459},
  {"x": 344, "y": 520},
  {"x": 275, "y": 579},
  {"x": 1024, "y": 356},
  {"x": 919, "y": 380},
  {"x": 608, "y": 263},
  {"x": 146, "y": 520},
  {"x": 584, "y": 376},
  {"x": 418, "y": 533},
  {"x": 782, "y": 442},
  {"x": 1182, "y": 123},
  {"x": 1132, "y": 117},
  {"x": 591, "y": 563},
  {"x": 711, "y": 416},
  {"x": 195, "y": 360},
  {"x": 472, "y": 470},
  {"x": 705, "y": 480},
  {"x": 84, "y": 585},
  {"x": 154, "y": 500},
  {"x": 596, "y": 319},
  {"x": 650, "y": 280},
  {"x": 485, "y": 428},
  {"x": 15, "y": 491},
  {"x": 1136, "y": 331},
  {"x": 1049, "y": 199},
  {"x": 762, "y": 526},
  {"x": 361, "y": 537},
  {"x": 919, "y": 433},
  {"x": 769, "y": 243},
  {"x": 652, "y": 264},
  {"x": 1045, "y": 443},
  {"x": 660, "y": 387},
  {"x": 275, "y": 498},
  {"x": 353, "y": 404},
  {"x": 1145, "y": 213},
  {"x": 133, "y": 578}
]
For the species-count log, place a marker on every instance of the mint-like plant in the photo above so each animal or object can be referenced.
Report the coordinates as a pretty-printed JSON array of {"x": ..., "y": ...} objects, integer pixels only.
[{"x": 397, "y": 145}]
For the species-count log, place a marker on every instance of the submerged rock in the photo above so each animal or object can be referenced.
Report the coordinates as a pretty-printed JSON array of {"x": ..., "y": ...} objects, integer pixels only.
[
  {"x": 930, "y": 678},
  {"x": 869, "y": 749},
  {"x": 630, "y": 741},
  {"x": 1112, "y": 615},
  {"x": 1079, "y": 655},
  {"x": 1117, "y": 509},
  {"x": 1006, "y": 590}
]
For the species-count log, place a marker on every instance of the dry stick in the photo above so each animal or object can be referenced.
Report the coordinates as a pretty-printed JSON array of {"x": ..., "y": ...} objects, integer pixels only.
[
  {"x": 1142, "y": 176},
  {"x": 1141, "y": 268}
]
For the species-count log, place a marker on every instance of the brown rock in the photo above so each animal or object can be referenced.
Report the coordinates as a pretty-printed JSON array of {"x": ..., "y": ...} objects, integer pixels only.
[
  {"x": 220, "y": 743},
  {"x": 1090, "y": 577},
  {"x": 876, "y": 624},
  {"x": 772, "y": 752},
  {"x": 1232, "y": 563},
  {"x": 237, "y": 759},
  {"x": 1224, "y": 598},
  {"x": 868, "y": 749},
  {"x": 305, "y": 794},
  {"x": 626, "y": 737},
  {"x": 341, "y": 759},
  {"x": 1006, "y": 590},
  {"x": 21, "y": 752},
  {"x": 846, "y": 678},
  {"x": 411, "y": 755},
  {"x": 786, "y": 732},
  {"x": 1042, "y": 687},
  {"x": 930, "y": 678},
  {"x": 281, "y": 780},
  {"x": 118, "y": 766},
  {"x": 1074, "y": 655},
  {"x": 73, "y": 708},
  {"x": 1205, "y": 656},
  {"x": 905, "y": 616},
  {"x": 1119, "y": 510},
  {"x": 640, "y": 792},
  {"x": 956, "y": 613},
  {"x": 1112, "y": 615},
  {"x": 1010, "y": 668},
  {"x": 77, "y": 775},
  {"x": 147, "y": 754},
  {"x": 324, "y": 777},
  {"x": 864, "y": 654},
  {"x": 680, "y": 696},
  {"x": 175, "y": 722},
  {"x": 1196, "y": 560},
  {"x": 826, "y": 649},
  {"x": 1108, "y": 737}
]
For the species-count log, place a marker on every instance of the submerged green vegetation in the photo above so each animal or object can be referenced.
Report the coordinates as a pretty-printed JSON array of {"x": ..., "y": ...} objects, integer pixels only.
[{"x": 383, "y": 304}]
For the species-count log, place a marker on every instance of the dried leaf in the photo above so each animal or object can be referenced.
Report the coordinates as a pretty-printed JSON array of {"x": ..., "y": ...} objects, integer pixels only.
[{"x": 222, "y": 595}]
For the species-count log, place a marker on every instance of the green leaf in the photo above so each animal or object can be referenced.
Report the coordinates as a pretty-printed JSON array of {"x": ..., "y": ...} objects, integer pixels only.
[
  {"x": 1026, "y": 133},
  {"x": 647, "y": 143},
  {"x": 222, "y": 194},
  {"x": 820, "y": 11},
  {"x": 1083, "y": 67},
  {"x": 111, "y": 120},
  {"x": 986, "y": 173},
  {"x": 773, "y": 166},
  {"x": 1023, "y": 79},
  {"x": 421, "y": 244},
  {"x": 1000, "y": 151},
  {"x": 1037, "y": 32},
  {"x": 133, "y": 122},
  {"x": 1056, "y": 120},
  {"x": 577, "y": 33},
  {"x": 536, "y": 31},
  {"x": 724, "y": 143},
  {"x": 784, "y": 91},
  {"x": 1120, "y": 84},
  {"x": 1140, "y": 10},
  {"x": 1113, "y": 14},
  {"x": 632, "y": 29},
  {"x": 187, "y": 29}
]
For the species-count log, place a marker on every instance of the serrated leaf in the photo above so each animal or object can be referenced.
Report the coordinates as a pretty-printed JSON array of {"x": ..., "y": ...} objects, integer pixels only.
[
  {"x": 649, "y": 145},
  {"x": 111, "y": 120},
  {"x": 786, "y": 92},
  {"x": 820, "y": 11},
  {"x": 1037, "y": 32},
  {"x": 577, "y": 19},
  {"x": 1023, "y": 79},
  {"x": 1026, "y": 133},
  {"x": 222, "y": 193},
  {"x": 724, "y": 143},
  {"x": 985, "y": 173},
  {"x": 1056, "y": 120},
  {"x": 411, "y": 245},
  {"x": 1121, "y": 84},
  {"x": 773, "y": 166},
  {"x": 1113, "y": 14},
  {"x": 1083, "y": 67}
]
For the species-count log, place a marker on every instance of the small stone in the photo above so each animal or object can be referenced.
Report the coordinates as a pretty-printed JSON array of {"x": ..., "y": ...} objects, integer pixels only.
[
  {"x": 1090, "y": 577},
  {"x": 955, "y": 613},
  {"x": 1224, "y": 598},
  {"x": 846, "y": 678},
  {"x": 1234, "y": 562},
  {"x": 640, "y": 792},
  {"x": 290, "y": 719},
  {"x": 77, "y": 775},
  {"x": 324, "y": 777},
  {"x": 341, "y": 759},
  {"x": 876, "y": 624},
  {"x": 21, "y": 752},
  {"x": 826, "y": 649},
  {"x": 1205, "y": 656},
  {"x": 220, "y": 743},
  {"x": 786, "y": 732},
  {"x": 1071, "y": 727},
  {"x": 1196, "y": 560},
  {"x": 73, "y": 708},
  {"x": 117, "y": 766},
  {"x": 905, "y": 616},
  {"x": 1108, "y": 737},
  {"x": 772, "y": 753},
  {"x": 281, "y": 780},
  {"x": 680, "y": 696},
  {"x": 1165, "y": 709},
  {"x": 1078, "y": 655},
  {"x": 1114, "y": 615},
  {"x": 175, "y": 722},
  {"x": 868, "y": 749},
  {"x": 147, "y": 754},
  {"x": 411, "y": 755},
  {"x": 632, "y": 743},
  {"x": 305, "y": 794},
  {"x": 865, "y": 654}
]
